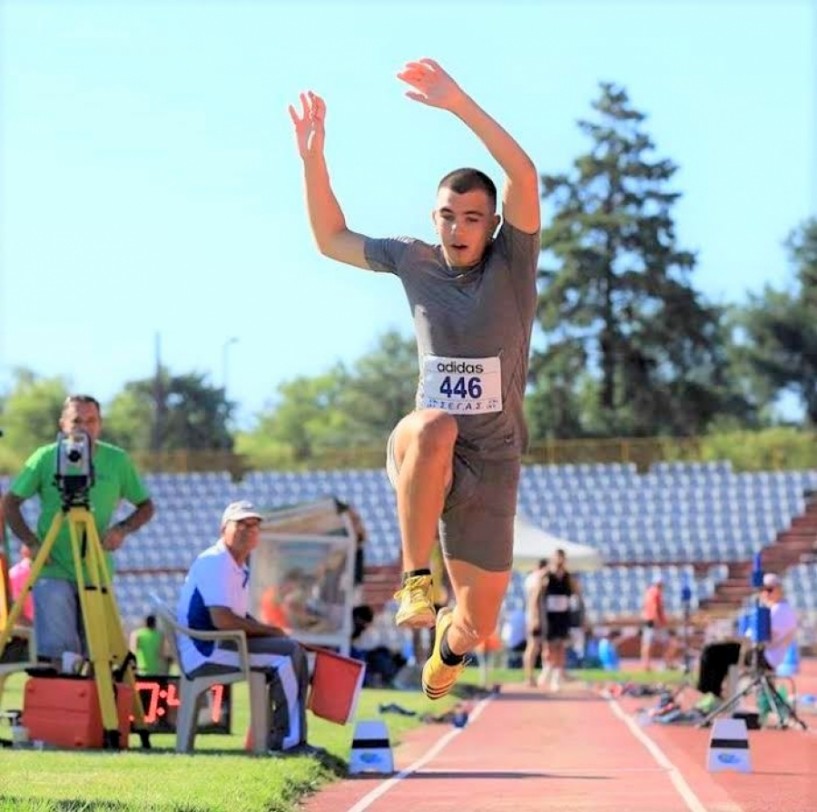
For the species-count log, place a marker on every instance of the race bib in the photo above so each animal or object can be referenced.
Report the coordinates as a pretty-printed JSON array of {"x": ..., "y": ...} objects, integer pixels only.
[
  {"x": 557, "y": 603},
  {"x": 462, "y": 385}
]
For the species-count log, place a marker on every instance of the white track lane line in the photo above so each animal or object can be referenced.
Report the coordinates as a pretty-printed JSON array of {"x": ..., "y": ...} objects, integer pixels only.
[
  {"x": 684, "y": 790},
  {"x": 381, "y": 789}
]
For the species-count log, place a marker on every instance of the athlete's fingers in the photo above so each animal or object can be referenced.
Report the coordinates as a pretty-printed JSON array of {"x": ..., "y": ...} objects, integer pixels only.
[
  {"x": 296, "y": 117},
  {"x": 417, "y": 82},
  {"x": 420, "y": 97},
  {"x": 408, "y": 75},
  {"x": 300, "y": 118},
  {"x": 420, "y": 66},
  {"x": 321, "y": 106},
  {"x": 432, "y": 64},
  {"x": 416, "y": 71},
  {"x": 317, "y": 107}
]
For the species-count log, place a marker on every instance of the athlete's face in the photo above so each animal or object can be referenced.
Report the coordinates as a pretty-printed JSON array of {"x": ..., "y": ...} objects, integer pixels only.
[{"x": 465, "y": 224}]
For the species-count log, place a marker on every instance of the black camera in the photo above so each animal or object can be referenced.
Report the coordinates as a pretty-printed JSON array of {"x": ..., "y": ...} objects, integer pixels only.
[
  {"x": 73, "y": 451},
  {"x": 75, "y": 473}
]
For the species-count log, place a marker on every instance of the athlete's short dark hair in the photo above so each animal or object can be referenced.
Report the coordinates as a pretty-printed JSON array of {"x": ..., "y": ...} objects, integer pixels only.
[{"x": 468, "y": 180}]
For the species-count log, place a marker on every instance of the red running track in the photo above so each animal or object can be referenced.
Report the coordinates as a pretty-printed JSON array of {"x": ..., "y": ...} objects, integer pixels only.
[{"x": 578, "y": 752}]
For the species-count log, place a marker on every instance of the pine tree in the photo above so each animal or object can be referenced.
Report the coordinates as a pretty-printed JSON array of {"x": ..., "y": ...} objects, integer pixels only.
[
  {"x": 781, "y": 328},
  {"x": 616, "y": 296}
]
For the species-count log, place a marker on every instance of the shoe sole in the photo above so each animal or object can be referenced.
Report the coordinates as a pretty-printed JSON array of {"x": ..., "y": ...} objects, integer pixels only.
[
  {"x": 416, "y": 620},
  {"x": 437, "y": 693}
]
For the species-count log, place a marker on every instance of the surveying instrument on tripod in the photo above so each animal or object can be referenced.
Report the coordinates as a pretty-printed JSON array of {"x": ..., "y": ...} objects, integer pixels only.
[
  {"x": 759, "y": 678},
  {"x": 110, "y": 661}
]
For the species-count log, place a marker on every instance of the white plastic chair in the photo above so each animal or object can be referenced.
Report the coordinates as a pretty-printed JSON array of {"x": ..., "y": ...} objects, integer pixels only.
[{"x": 192, "y": 689}]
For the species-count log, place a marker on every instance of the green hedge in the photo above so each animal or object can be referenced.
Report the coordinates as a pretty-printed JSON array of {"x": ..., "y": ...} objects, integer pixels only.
[
  {"x": 773, "y": 449},
  {"x": 769, "y": 450}
]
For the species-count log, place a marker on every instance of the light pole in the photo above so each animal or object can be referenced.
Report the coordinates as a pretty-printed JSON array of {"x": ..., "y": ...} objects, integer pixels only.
[{"x": 225, "y": 357}]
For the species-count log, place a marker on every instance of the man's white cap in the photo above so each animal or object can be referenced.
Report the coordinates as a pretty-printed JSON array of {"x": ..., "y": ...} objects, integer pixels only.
[
  {"x": 236, "y": 511},
  {"x": 659, "y": 579},
  {"x": 771, "y": 580}
]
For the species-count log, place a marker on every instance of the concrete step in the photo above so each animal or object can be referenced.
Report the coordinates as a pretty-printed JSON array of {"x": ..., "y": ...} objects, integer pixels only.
[
  {"x": 715, "y": 602},
  {"x": 805, "y": 521},
  {"x": 733, "y": 594},
  {"x": 796, "y": 543},
  {"x": 736, "y": 585},
  {"x": 784, "y": 556},
  {"x": 715, "y": 608},
  {"x": 798, "y": 534}
]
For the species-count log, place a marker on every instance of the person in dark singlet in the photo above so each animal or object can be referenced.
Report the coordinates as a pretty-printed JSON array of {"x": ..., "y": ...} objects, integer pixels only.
[{"x": 557, "y": 587}]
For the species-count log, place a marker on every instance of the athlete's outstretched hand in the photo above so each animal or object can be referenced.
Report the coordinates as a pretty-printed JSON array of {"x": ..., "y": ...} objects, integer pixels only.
[
  {"x": 309, "y": 130},
  {"x": 432, "y": 85}
]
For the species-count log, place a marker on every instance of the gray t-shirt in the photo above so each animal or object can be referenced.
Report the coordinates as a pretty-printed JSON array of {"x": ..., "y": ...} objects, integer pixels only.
[{"x": 483, "y": 311}]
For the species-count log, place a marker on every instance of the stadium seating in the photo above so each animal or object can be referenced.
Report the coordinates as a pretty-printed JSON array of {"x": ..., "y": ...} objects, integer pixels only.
[{"x": 688, "y": 521}]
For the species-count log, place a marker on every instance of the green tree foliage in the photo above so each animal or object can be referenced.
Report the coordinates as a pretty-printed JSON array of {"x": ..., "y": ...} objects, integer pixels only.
[
  {"x": 169, "y": 413},
  {"x": 627, "y": 337},
  {"x": 340, "y": 409},
  {"x": 554, "y": 405},
  {"x": 31, "y": 412},
  {"x": 781, "y": 327},
  {"x": 777, "y": 448},
  {"x": 381, "y": 388},
  {"x": 307, "y": 416},
  {"x": 129, "y": 419}
]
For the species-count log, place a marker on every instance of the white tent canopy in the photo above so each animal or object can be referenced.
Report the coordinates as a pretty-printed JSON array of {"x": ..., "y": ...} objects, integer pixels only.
[{"x": 531, "y": 543}]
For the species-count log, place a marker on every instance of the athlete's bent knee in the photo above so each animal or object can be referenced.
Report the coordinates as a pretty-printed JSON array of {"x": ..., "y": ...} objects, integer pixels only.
[{"x": 436, "y": 435}]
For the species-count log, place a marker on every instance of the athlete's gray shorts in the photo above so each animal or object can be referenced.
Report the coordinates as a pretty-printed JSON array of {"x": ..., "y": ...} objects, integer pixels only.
[{"x": 477, "y": 521}]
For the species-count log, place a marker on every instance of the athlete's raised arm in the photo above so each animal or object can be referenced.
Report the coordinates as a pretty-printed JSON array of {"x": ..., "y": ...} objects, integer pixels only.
[
  {"x": 520, "y": 194},
  {"x": 333, "y": 238}
]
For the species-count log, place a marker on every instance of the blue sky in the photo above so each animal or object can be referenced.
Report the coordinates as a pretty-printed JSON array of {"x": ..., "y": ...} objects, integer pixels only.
[{"x": 149, "y": 182}]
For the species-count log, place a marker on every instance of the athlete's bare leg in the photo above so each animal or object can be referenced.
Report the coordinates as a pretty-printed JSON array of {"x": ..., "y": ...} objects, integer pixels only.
[
  {"x": 424, "y": 452},
  {"x": 479, "y": 594}
]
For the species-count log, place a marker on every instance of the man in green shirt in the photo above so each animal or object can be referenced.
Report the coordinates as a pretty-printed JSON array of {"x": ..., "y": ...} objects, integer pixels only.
[{"x": 57, "y": 615}]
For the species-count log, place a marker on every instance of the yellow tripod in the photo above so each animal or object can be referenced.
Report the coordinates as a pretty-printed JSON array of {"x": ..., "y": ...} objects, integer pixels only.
[{"x": 104, "y": 635}]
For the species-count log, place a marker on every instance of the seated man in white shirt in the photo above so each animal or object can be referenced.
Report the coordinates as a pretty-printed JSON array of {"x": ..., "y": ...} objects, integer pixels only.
[{"x": 215, "y": 595}]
